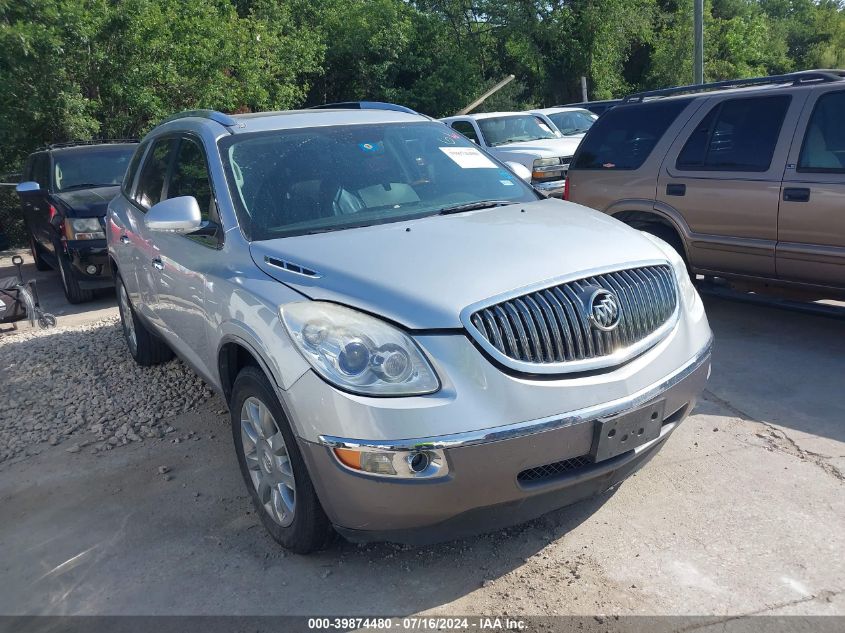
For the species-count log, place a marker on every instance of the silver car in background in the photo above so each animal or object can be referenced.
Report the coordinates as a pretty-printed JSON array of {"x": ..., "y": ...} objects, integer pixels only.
[{"x": 413, "y": 343}]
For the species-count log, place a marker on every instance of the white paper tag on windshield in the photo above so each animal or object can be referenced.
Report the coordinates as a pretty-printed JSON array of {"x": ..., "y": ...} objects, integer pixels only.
[{"x": 468, "y": 157}]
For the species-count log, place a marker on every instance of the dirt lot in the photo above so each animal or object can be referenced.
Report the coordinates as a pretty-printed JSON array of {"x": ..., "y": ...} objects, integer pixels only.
[{"x": 742, "y": 512}]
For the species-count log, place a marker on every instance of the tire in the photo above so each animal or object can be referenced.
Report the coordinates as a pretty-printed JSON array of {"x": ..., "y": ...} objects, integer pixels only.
[
  {"x": 671, "y": 237},
  {"x": 275, "y": 468},
  {"x": 70, "y": 285},
  {"x": 144, "y": 346},
  {"x": 40, "y": 264}
]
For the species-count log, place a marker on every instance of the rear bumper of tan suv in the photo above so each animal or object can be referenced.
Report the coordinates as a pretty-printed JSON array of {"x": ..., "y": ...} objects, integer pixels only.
[{"x": 486, "y": 487}]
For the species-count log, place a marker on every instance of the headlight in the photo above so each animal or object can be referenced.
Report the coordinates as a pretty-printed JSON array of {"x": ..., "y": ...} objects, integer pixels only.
[
  {"x": 679, "y": 266},
  {"x": 84, "y": 229},
  {"x": 357, "y": 352},
  {"x": 547, "y": 169}
]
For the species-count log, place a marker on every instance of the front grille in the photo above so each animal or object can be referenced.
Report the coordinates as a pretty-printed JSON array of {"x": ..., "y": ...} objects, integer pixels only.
[
  {"x": 552, "y": 326},
  {"x": 550, "y": 471}
]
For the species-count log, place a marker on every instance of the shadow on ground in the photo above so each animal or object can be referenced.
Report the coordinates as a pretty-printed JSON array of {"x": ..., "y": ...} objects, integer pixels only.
[{"x": 780, "y": 367}]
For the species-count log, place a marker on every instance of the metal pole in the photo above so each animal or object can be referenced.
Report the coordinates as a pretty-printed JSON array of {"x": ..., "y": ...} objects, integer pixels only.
[
  {"x": 584, "y": 89},
  {"x": 472, "y": 106},
  {"x": 698, "y": 42}
]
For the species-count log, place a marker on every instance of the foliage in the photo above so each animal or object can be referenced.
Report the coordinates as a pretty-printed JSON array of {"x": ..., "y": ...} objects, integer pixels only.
[{"x": 99, "y": 68}]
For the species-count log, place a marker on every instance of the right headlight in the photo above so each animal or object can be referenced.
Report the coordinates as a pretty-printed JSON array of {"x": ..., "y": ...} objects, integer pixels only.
[
  {"x": 84, "y": 229},
  {"x": 358, "y": 352}
]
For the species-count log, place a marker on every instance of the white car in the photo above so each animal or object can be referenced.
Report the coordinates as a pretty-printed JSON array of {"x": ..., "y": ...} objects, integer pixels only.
[
  {"x": 570, "y": 122},
  {"x": 522, "y": 138}
]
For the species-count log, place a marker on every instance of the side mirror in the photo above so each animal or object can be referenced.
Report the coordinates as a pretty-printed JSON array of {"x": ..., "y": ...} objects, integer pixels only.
[
  {"x": 174, "y": 215},
  {"x": 520, "y": 170},
  {"x": 27, "y": 187}
]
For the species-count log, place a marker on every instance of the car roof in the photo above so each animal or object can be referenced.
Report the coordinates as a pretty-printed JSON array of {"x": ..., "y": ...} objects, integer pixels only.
[
  {"x": 292, "y": 119},
  {"x": 484, "y": 115},
  {"x": 74, "y": 149},
  {"x": 803, "y": 79},
  {"x": 559, "y": 109}
]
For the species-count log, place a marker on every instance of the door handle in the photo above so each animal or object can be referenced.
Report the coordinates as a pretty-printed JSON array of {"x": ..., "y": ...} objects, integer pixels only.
[
  {"x": 158, "y": 264},
  {"x": 124, "y": 240},
  {"x": 796, "y": 194},
  {"x": 676, "y": 190}
]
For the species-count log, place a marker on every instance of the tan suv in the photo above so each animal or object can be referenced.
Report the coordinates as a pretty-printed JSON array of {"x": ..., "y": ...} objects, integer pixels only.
[{"x": 745, "y": 178}]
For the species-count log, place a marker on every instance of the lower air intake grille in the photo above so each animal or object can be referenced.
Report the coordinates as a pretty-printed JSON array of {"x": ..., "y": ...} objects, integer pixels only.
[{"x": 550, "y": 471}]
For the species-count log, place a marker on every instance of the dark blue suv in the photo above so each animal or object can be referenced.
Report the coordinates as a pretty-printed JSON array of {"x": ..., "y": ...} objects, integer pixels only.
[{"x": 64, "y": 192}]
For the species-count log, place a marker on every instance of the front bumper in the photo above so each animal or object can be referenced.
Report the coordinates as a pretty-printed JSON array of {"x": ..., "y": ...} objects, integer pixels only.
[
  {"x": 482, "y": 491},
  {"x": 554, "y": 188},
  {"x": 85, "y": 253}
]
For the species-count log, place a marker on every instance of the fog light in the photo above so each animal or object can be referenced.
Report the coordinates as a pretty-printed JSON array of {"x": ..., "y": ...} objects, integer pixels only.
[
  {"x": 91, "y": 269},
  {"x": 430, "y": 462},
  {"x": 418, "y": 462}
]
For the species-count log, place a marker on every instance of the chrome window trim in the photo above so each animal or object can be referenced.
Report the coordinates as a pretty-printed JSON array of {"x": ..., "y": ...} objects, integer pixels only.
[
  {"x": 566, "y": 367},
  {"x": 531, "y": 427}
]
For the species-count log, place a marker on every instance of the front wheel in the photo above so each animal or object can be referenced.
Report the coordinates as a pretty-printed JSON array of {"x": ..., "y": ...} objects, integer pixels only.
[
  {"x": 70, "y": 284},
  {"x": 273, "y": 468},
  {"x": 40, "y": 264}
]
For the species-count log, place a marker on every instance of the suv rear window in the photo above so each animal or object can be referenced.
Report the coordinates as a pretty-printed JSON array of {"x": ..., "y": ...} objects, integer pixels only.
[
  {"x": 623, "y": 137},
  {"x": 736, "y": 135}
]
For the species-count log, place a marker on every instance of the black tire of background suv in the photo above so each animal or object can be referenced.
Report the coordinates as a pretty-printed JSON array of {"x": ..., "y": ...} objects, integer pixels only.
[
  {"x": 668, "y": 235},
  {"x": 311, "y": 529},
  {"x": 40, "y": 264},
  {"x": 151, "y": 350},
  {"x": 70, "y": 285}
]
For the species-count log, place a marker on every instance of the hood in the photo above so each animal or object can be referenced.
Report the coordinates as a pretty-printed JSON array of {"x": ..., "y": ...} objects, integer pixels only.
[
  {"x": 547, "y": 148},
  {"x": 88, "y": 203},
  {"x": 424, "y": 277}
]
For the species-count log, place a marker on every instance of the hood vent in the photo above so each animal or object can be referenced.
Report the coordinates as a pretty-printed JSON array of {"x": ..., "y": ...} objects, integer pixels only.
[{"x": 291, "y": 267}]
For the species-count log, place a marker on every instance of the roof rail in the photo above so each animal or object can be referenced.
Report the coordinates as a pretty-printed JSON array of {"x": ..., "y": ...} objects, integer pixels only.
[
  {"x": 93, "y": 141},
  {"x": 806, "y": 76},
  {"x": 364, "y": 105},
  {"x": 213, "y": 115}
]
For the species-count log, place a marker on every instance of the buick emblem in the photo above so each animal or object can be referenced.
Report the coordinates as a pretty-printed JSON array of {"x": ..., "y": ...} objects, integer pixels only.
[{"x": 604, "y": 310}]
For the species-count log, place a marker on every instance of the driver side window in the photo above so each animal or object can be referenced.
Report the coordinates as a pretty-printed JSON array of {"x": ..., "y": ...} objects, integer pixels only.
[{"x": 189, "y": 177}]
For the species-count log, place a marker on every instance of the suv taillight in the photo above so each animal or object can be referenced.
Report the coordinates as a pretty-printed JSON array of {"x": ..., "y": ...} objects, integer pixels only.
[{"x": 566, "y": 188}]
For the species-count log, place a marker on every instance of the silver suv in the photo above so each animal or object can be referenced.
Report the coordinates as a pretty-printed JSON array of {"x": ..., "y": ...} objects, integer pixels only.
[{"x": 413, "y": 343}]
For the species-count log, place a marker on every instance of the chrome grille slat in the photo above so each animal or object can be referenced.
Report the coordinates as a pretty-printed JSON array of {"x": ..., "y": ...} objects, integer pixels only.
[
  {"x": 552, "y": 326},
  {"x": 568, "y": 351}
]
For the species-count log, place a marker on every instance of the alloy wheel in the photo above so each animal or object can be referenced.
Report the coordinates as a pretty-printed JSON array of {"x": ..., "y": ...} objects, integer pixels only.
[{"x": 268, "y": 461}]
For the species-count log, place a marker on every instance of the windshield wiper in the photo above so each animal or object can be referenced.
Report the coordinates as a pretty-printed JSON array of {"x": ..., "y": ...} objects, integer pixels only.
[
  {"x": 473, "y": 206},
  {"x": 86, "y": 185}
]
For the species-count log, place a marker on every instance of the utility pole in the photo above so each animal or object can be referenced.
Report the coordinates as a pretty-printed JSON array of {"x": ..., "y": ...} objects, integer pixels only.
[
  {"x": 472, "y": 106},
  {"x": 698, "y": 42},
  {"x": 584, "y": 89}
]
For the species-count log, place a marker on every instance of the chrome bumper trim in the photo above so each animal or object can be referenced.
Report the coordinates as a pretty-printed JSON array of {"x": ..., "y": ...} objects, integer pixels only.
[{"x": 530, "y": 427}]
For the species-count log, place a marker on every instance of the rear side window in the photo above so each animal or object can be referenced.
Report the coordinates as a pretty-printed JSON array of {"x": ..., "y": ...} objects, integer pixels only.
[
  {"x": 154, "y": 172},
  {"x": 132, "y": 170},
  {"x": 824, "y": 142},
  {"x": 736, "y": 135},
  {"x": 624, "y": 136},
  {"x": 466, "y": 128}
]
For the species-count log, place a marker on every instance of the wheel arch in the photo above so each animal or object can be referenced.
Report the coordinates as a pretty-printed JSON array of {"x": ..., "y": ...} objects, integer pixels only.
[{"x": 637, "y": 214}]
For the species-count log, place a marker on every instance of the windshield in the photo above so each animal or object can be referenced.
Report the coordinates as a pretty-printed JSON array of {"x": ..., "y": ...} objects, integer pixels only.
[
  {"x": 574, "y": 122},
  {"x": 311, "y": 180},
  {"x": 101, "y": 166},
  {"x": 513, "y": 129}
]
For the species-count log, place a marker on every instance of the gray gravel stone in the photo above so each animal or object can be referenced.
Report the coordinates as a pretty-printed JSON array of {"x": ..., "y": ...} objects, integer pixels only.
[{"x": 69, "y": 381}]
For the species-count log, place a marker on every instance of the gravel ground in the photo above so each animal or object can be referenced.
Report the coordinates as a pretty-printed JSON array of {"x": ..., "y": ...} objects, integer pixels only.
[{"x": 79, "y": 386}]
